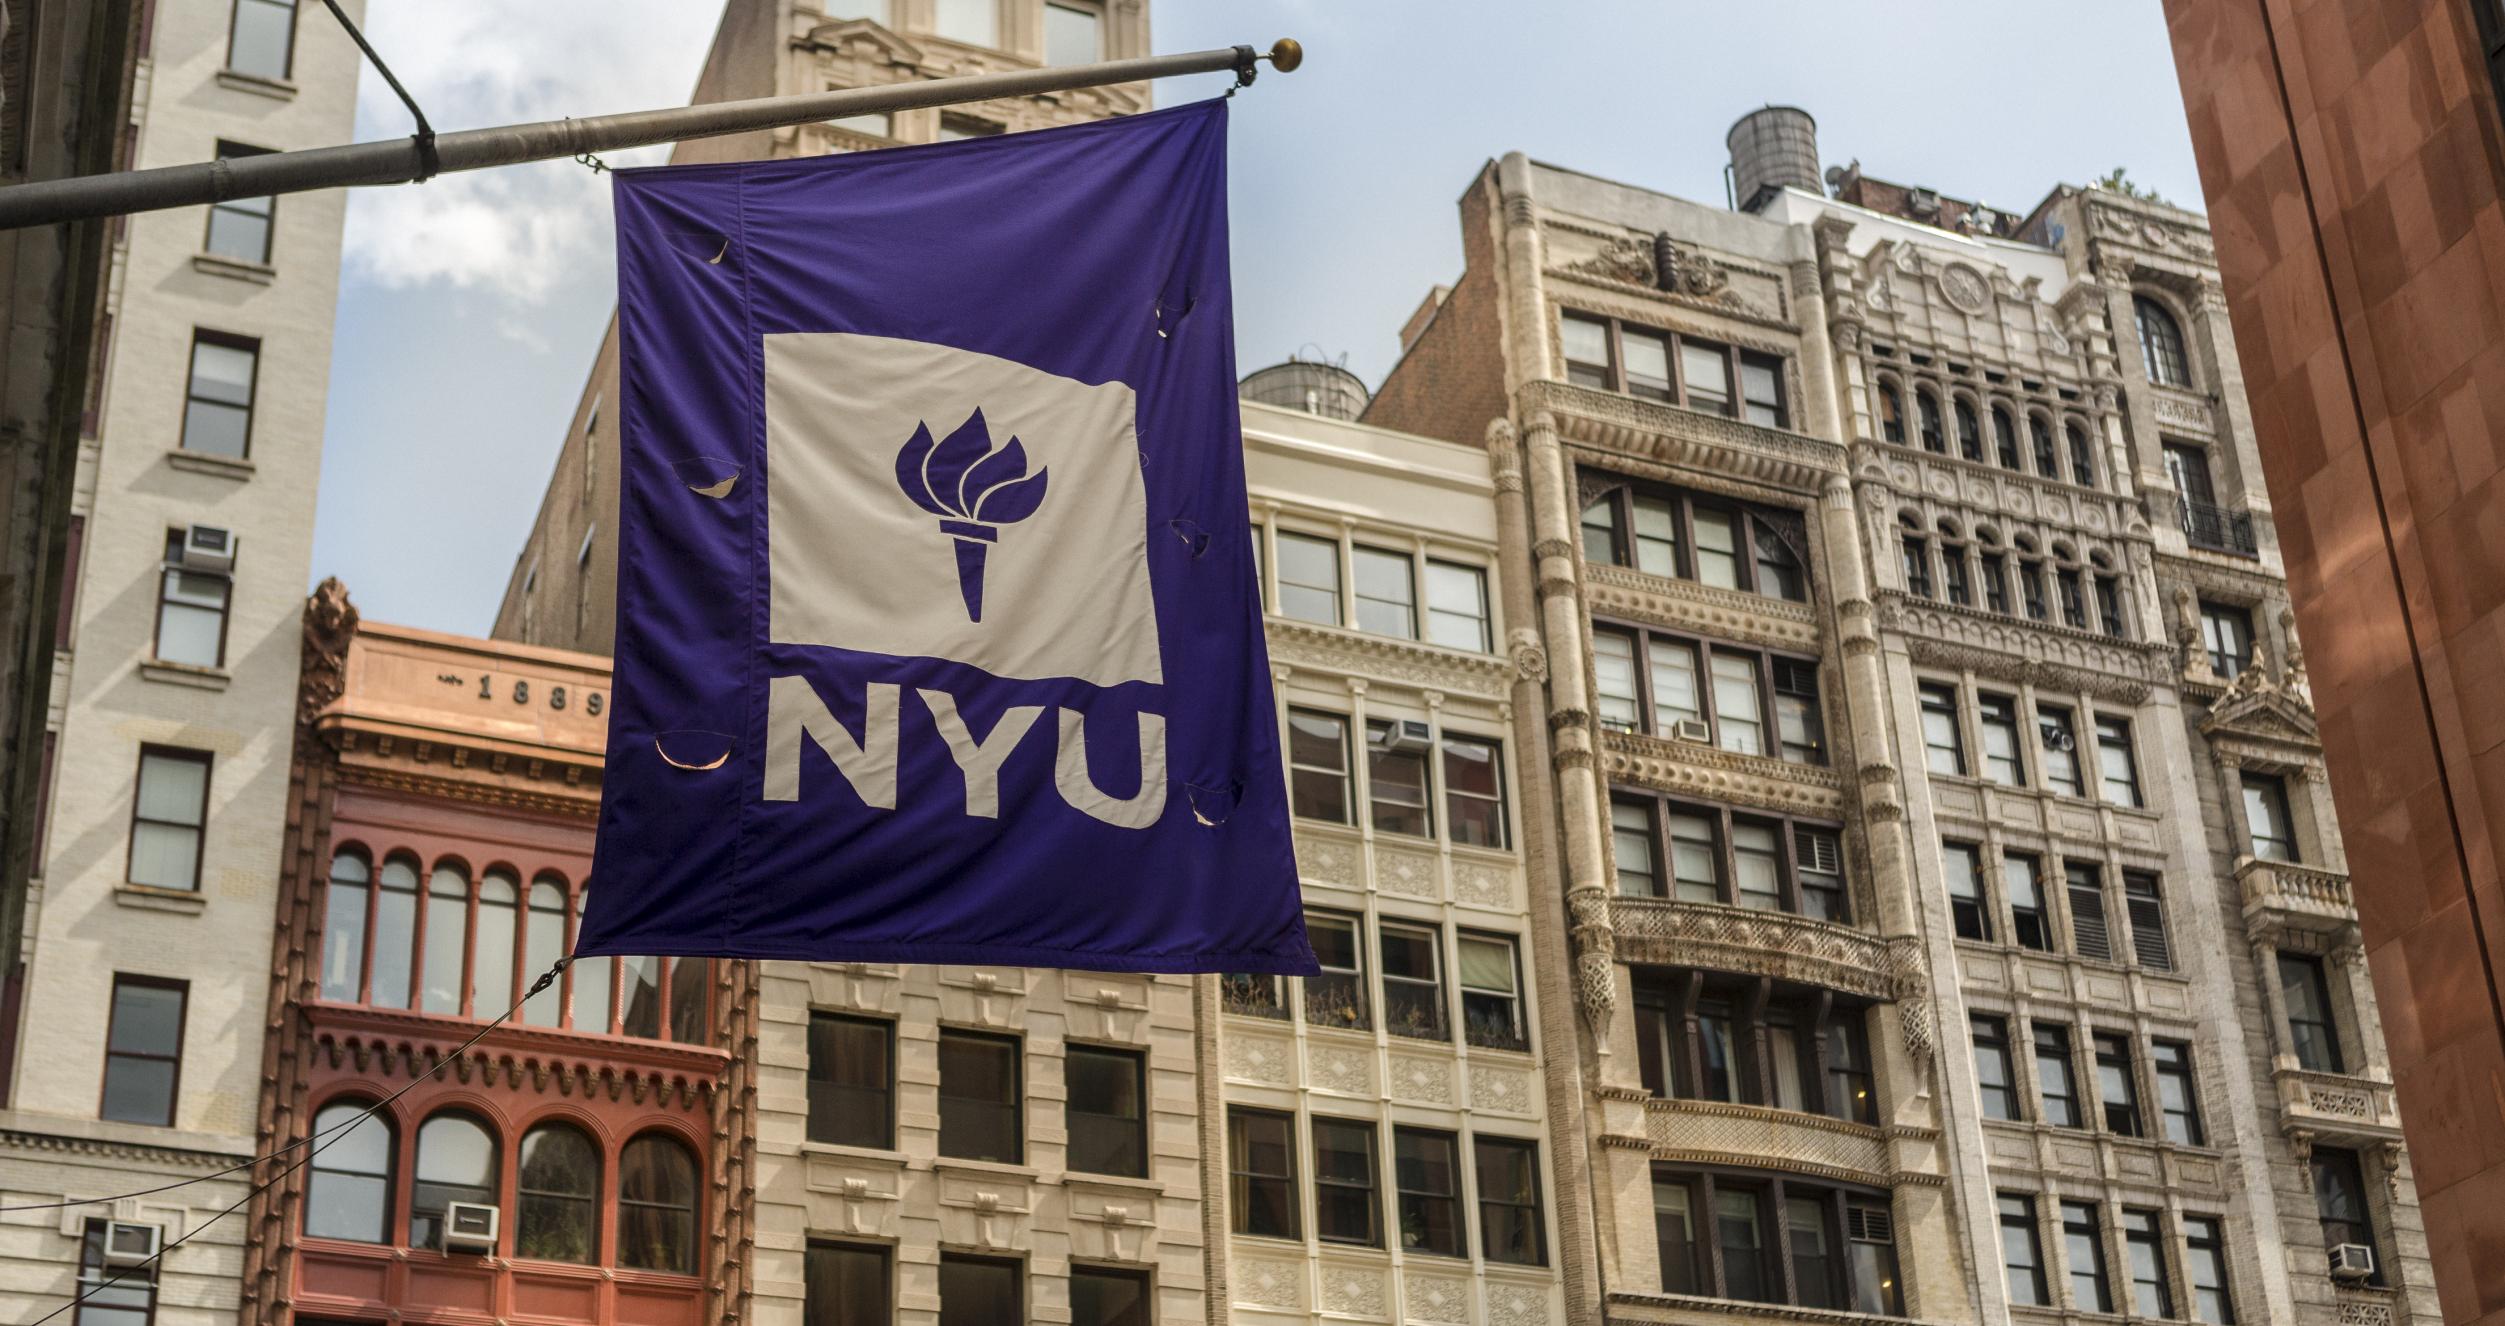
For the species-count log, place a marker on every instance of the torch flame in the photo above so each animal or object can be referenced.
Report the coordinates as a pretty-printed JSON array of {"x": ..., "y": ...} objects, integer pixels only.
[{"x": 972, "y": 488}]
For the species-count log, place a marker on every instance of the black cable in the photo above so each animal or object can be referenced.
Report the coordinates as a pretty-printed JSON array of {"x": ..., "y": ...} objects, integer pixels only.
[
  {"x": 425, "y": 135},
  {"x": 546, "y": 979}
]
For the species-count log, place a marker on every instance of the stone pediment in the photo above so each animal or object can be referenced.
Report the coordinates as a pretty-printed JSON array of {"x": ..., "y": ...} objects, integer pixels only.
[
  {"x": 862, "y": 37},
  {"x": 2263, "y": 713}
]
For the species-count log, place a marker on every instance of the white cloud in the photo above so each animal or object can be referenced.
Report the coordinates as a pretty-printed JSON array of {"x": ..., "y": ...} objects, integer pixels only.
[{"x": 513, "y": 232}]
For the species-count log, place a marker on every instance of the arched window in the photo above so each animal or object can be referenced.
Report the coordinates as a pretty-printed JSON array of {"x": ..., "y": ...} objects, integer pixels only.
[
  {"x": 343, "y": 927},
  {"x": 491, "y": 967},
  {"x": 593, "y": 978},
  {"x": 395, "y": 932},
  {"x": 447, "y": 938},
  {"x": 2005, "y": 436},
  {"x": 639, "y": 997},
  {"x": 348, "y": 1195},
  {"x": 456, "y": 1162},
  {"x": 1927, "y": 407},
  {"x": 2041, "y": 429},
  {"x": 543, "y": 942},
  {"x": 2161, "y": 343},
  {"x": 657, "y": 1206},
  {"x": 2082, "y": 453},
  {"x": 1891, "y": 412},
  {"x": 1969, "y": 431},
  {"x": 558, "y": 1184}
]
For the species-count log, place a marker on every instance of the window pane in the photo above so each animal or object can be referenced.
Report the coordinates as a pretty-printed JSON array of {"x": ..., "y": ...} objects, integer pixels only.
[
  {"x": 2114, "y": 760},
  {"x": 1509, "y": 1202},
  {"x": 1070, "y": 36},
  {"x": 543, "y": 941},
  {"x": 640, "y": 1012},
  {"x": 851, "y": 1081},
  {"x": 1761, "y": 383},
  {"x": 491, "y": 965},
  {"x": 1396, "y": 781},
  {"x": 1426, "y": 1168},
  {"x": 1386, "y": 598},
  {"x": 349, "y": 1192},
  {"x": 1737, "y": 1226},
  {"x": 1648, "y": 363},
  {"x": 1813, "y": 1257},
  {"x": 395, "y": 933},
  {"x": 1474, "y": 792},
  {"x": 1107, "y": 1111},
  {"x": 164, "y": 856},
  {"x": 172, "y": 789},
  {"x": 1695, "y": 860},
  {"x": 1456, "y": 606},
  {"x": 1674, "y": 1229},
  {"x": 1759, "y": 863},
  {"x": 343, "y": 930},
  {"x": 456, "y": 1162},
  {"x": 1337, "y": 997},
  {"x": 1739, "y": 719},
  {"x": 1675, "y": 696},
  {"x": 974, "y": 22},
  {"x": 1345, "y": 1205},
  {"x": 1656, "y": 536},
  {"x": 689, "y": 979},
  {"x": 1261, "y": 1163},
  {"x": 264, "y": 38},
  {"x": 558, "y": 1186},
  {"x": 978, "y": 1098},
  {"x": 657, "y": 1206},
  {"x": 1101, "y": 1296},
  {"x": 1717, "y": 549},
  {"x": 1707, "y": 370},
  {"x": 447, "y": 932},
  {"x": 1586, "y": 345},
  {"x": 1631, "y": 835},
  {"x": 1308, "y": 578},
  {"x": 843, "y": 1283},
  {"x": 1317, "y": 755},
  {"x": 978, "y": 1291}
]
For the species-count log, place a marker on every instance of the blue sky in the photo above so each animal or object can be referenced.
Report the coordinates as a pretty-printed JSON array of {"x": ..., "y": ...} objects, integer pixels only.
[{"x": 471, "y": 306}]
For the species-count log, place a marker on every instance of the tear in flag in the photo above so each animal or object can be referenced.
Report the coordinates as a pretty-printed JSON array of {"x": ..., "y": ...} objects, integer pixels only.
[{"x": 938, "y": 639}]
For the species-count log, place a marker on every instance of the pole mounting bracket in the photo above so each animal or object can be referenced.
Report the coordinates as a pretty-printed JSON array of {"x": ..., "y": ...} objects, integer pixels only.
[{"x": 424, "y": 138}]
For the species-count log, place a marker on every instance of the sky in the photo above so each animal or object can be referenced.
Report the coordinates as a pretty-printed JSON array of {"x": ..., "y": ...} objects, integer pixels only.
[{"x": 471, "y": 306}]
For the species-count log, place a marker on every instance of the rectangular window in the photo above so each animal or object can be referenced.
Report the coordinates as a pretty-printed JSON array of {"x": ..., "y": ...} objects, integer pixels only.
[
  {"x": 2060, "y": 736},
  {"x": 2115, "y": 761},
  {"x": 2057, "y": 1091},
  {"x": 1108, "y": 1110},
  {"x": 1491, "y": 994},
  {"x": 1695, "y": 858},
  {"x": 1261, "y": 1173},
  {"x": 1396, "y": 791},
  {"x": 1718, "y": 1055},
  {"x": 1954, "y": 581},
  {"x": 1943, "y": 751},
  {"x": 1631, "y": 842},
  {"x": 1995, "y": 569},
  {"x": 2073, "y": 602},
  {"x": 2109, "y": 607},
  {"x": 1413, "y": 982},
  {"x": 2312, "y": 1029},
  {"x": 1705, "y": 371},
  {"x": 974, "y": 22},
  {"x": 169, "y": 816},
  {"x": 2090, "y": 934},
  {"x": 1072, "y": 36},
  {"x": 2227, "y": 633},
  {"x": 852, "y": 1081},
  {"x": 2205, "y": 1266},
  {"x": 1812, "y": 1248},
  {"x": 1740, "y": 1234},
  {"x": 1616, "y": 700},
  {"x": 1717, "y": 547},
  {"x": 2340, "y": 1200},
  {"x": 2178, "y": 1099},
  {"x": 1917, "y": 553},
  {"x": 2152, "y": 1291},
  {"x": 1109, "y": 1296},
  {"x": 980, "y": 1088},
  {"x": 1647, "y": 364},
  {"x": 143, "y": 1050},
  {"x": 239, "y": 228},
  {"x": 1585, "y": 343},
  {"x": 1337, "y": 996},
  {"x": 1870, "y": 1232},
  {"x": 110, "y": 1295},
  {"x": 1677, "y": 696},
  {"x": 1387, "y": 594},
  {"x": 1317, "y": 765},
  {"x": 1821, "y": 857},
  {"x": 2083, "y": 1246},
  {"x": 1674, "y": 1232},
  {"x": 1656, "y": 527},
  {"x": 1972, "y": 916},
  {"x": 1254, "y": 994},
  {"x": 2117, "y": 1086},
  {"x": 1426, "y": 1184},
  {"x": 845, "y": 1283},
  {"x": 1739, "y": 724},
  {"x": 1798, "y": 723},
  {"x": 1850, "y": 1086},
  {"x": 2031, "y": 589},
  {"x": 2266, "y": 815},
  {"x": 1992, "y": 1068},
  {"x": 262, "y": 42},
  {"x": 1757, "y": 858},
  {"x": 2148, "y": 920},
  {"x": 1456, "y": 606},
  {"x": 1474, "y": 791},
  {"x": 956, "y": 128},
  {"x": 1997, "y": 720},
  {"x": 2022, "y": 1255},
  {"x": 1308, "y": 578},
  {"x": 979, "y": 1291},
  {"x": 2022, "y": 881},
  {"x": 1345, "y": 1204},
  {"x": 1761, "y": 386},
  {"x": 217, "y": 408},
  {"x": 1510, "y": 1229},
  {"x": 191, "y": 611}
]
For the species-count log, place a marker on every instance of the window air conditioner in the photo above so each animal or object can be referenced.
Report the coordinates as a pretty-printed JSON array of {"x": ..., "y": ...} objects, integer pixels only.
[
  {"x": 470, "y": 1227},
  {"x": 1405, "y": 736},
  {"x": 1692, "y": 729},
  {"x": 2352, "y": 1261},
  {"x": 208, "y": 548},
  {"x": 128, "y": 1244}
]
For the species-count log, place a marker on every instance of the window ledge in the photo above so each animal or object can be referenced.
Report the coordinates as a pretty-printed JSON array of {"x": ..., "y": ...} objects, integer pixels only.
[
  {"x": 839, "y": 1151},
  {"x": 198, "y": 462},
  {"x": 1123, "y": 1182},
  {"x": 151, "y": 898},
  {"x": 186, "y": 674},
  {"x": 259, "y": 273},
  {"x": 277, "y": 89},
  {"x": 1001, "y": 1169}
]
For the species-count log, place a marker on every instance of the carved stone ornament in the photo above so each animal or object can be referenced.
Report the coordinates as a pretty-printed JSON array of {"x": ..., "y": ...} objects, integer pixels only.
[
  {"x": 1595, "y": 961},
  {"x": 1628, "y": 259},
  {"x": 2187, "y": 634},
  {"x": 1530, "y": 661},
  {"x": 1965, "y": 289},
  {"x": 330, "y": 622},
  {"x": 1695, "y": 275}
]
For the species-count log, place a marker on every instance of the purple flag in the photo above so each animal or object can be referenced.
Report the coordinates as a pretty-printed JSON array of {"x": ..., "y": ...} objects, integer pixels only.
[{"x": 938, "y": 638}]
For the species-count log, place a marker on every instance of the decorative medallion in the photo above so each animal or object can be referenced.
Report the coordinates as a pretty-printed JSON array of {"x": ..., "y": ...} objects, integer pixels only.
[{"x": 1965, "y": 288}]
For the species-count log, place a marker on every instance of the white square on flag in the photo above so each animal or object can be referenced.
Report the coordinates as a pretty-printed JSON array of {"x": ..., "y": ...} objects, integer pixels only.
[{"x": 865, "y": 425}]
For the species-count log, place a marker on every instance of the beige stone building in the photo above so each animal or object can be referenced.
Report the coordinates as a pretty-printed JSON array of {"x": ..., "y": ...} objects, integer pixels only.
[
  {"x": 135, "y": 1044},
  {"x": 1958, "y": 929}
]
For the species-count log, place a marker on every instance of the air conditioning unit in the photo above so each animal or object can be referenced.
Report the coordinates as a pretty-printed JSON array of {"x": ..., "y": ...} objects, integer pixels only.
[
  {"x": 208, "y": 548},
  {"x": 470, "y": 1227},
  {"x": 1405, "y": 736},
  {"x": 1692, "y": 729},
  {"x": 2352, "y": 1261},
  {"x": 129, "y": 1244}
]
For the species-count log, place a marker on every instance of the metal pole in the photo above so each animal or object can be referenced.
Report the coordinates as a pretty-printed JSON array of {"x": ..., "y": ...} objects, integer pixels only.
[{"x": 401, "y": 160}]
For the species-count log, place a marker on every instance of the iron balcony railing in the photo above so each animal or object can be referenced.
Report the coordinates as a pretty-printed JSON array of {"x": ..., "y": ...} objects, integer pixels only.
[{"x": 2217, "y": 528}]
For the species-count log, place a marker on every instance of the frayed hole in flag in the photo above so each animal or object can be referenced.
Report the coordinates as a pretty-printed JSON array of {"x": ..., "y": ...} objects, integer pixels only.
[
  {"x": 694, "y": 749},
  {"x": 1190, "y": 532},
  {"x": 707, "y": 476},
  {"x": 1211, "y": 806}
]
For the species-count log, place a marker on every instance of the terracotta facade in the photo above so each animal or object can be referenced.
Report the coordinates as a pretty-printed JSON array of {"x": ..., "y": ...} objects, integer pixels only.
[{"x": 2351, "y": 153}]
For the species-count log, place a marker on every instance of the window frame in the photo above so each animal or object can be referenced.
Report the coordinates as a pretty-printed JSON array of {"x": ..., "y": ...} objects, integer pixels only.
[
  {"x": 590, "y": 1201},
  {"x": 1136, "y": 1130},
  {"x": 2340, "y": 1167},
  {"x": 493, "y": 1188},
  {"x": 1129, "y": 1273},
  {"x": 1970, "y": 913},
  {"x": 2219, "y": 621},
  {"x": 1517, "y": 1037},
  {"x": 1371, "y": 1189},
  {"x": 181, "y": 990},
  {"x": 388, "y": 1206},
  {"x": 2205, "y": 1240},
  {"x": 1736, "y": 360},
  {"x": 1533, "y": 1214},
  {"x": 2017, "y": 1216},
  {"x": 2144, "y": 1257},
  {"x": 2037, "y": 920},
  {"x": 1723, "y": 821},
  {"x": 2117, "y": 1084},
  {"x": 1452, "y": 1203},
  {"x": 1989, "y": 1034},
  {"x": 1014, "y": 1266},
  {"x": 1777, "y": 1194},
  {"x": 2052, "y": 1046},
  {"x": 1673, "y": 1004},
  {"x": 2114, "y": 740},
  {"x": 207, "y": 760},
  {"x": 1619, "y": 492},
  {"x": 1239, "y": 1145},
  {"x": 2165, "y": 352},
  {"x": 1015, "y": 1046},
  {"x": 1763, "y": 667},
  {"x": 251, "y": 405},
  {"x": 1934, "y": 700},
  {"x": 1997, "y": 713},
  {"x": 2317, "y": 977},
  {"x": 2268, "y": 792},
  {"x": 267, "y": 216},
  {"x": 882, "y": 1255},
  {"x": 1455, "y": 798},
  {"x": 234, "y": 20},
  {"x": 173, "y": 571},
  {"x": 1431, "y": 992},
  {"x": 1345, "y": 773},
  {"x": 885, "y": 1030},
  {"x": 1358, "y": 979},
  {"x": 2172, "y": 1061},
  {"x": 2083, "y": 1227}
]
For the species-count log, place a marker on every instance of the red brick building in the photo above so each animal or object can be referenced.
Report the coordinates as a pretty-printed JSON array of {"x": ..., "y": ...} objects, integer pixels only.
[
  {"x": 2351, "y": 152},
  {"x": 444, "y": 795}
]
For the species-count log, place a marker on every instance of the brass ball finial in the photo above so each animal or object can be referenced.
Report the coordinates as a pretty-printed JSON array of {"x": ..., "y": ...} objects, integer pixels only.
[{"x": 1285, "y": 54}]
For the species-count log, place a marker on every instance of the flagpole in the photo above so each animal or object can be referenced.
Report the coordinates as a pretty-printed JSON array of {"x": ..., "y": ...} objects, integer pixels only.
[{"x": 403, "y": 161}]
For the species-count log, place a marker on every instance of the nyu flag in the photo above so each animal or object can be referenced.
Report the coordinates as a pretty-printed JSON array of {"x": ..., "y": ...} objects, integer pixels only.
[{"x": 937, "y": 632}]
